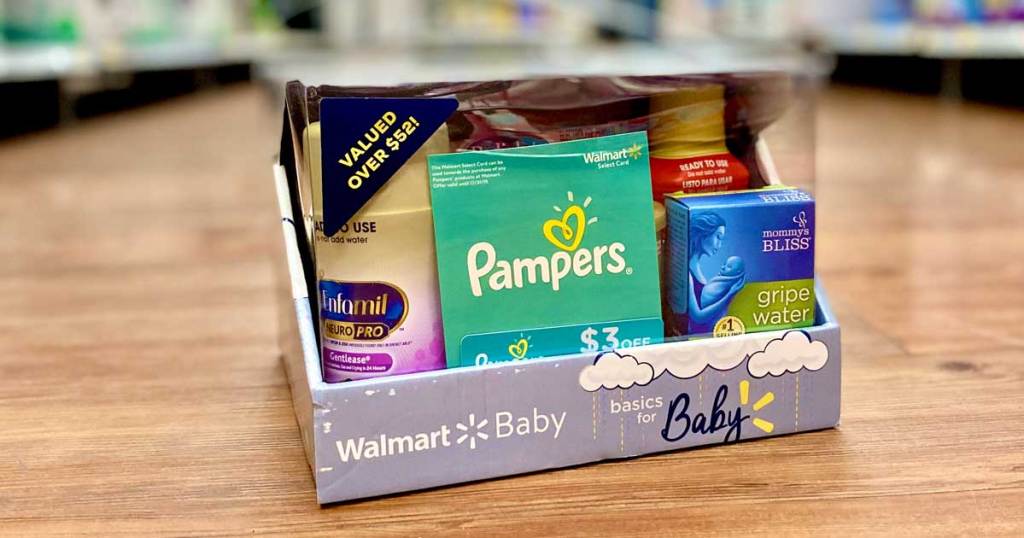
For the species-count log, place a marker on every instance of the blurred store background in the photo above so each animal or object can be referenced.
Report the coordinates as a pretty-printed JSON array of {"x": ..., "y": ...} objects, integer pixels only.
[{"x": 63, "y": 60}]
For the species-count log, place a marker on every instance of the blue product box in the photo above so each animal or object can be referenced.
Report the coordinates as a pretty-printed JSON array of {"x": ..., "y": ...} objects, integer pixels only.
[{"x": 740, "y": 262}]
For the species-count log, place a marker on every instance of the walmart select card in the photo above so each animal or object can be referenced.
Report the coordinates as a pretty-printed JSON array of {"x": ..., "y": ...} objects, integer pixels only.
[{"x": 546, "y": 250}]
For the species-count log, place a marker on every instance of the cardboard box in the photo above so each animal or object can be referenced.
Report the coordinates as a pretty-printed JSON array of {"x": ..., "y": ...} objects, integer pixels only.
[{"x": 388, "y": 435}]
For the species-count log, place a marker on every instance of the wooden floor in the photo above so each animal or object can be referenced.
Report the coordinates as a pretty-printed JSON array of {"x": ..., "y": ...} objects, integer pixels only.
[{"x": 140, "y": 391}]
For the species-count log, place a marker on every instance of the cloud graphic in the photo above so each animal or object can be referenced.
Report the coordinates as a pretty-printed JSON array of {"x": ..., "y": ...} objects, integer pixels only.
[
  {"x": 613, "y": 371},
  {"x": 688, "y": 359},
  {"x": 791, "y": 353}
]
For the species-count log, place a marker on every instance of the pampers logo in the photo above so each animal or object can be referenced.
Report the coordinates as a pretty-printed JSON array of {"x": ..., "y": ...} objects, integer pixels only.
[{"x": 566, "y": 234}]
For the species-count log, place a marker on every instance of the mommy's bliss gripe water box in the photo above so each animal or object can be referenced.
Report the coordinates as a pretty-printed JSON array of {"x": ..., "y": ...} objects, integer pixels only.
[
  {"x": 741, "y": 262},
  {"x": 546, "y": 250}
]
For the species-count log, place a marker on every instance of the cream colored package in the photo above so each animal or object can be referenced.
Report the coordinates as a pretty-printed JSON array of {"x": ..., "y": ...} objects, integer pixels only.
[{"x": 377, "y": 277}]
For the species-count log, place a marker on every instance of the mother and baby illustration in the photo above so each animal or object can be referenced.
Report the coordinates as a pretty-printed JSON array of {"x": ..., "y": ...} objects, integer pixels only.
[{"x": 709, "y": 300}]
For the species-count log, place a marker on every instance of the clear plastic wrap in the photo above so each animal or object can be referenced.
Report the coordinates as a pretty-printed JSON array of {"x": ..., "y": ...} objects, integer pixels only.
[{"x": 524, "y": 112}]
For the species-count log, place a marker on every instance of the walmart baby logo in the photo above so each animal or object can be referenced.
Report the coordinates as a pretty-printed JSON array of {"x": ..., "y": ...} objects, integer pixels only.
[
  {"x": 682, "y": 421},
  {"x": 471, "y": 433},
  {"x": 566, "y": 233}
]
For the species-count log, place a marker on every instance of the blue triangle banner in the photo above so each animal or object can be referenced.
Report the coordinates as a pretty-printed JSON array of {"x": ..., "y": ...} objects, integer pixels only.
[{"x": 364, "y": 141}]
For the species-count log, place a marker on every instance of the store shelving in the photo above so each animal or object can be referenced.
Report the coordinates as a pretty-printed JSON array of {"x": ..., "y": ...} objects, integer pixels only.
[
  {"x": 33, "y": 63},
  {"x": 956, "y": 41}
]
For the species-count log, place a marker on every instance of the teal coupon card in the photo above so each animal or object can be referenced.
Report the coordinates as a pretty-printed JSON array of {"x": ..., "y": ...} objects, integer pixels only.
[
  {"x": 480, "y": 349},
  {"x": 556, "y": 236}
]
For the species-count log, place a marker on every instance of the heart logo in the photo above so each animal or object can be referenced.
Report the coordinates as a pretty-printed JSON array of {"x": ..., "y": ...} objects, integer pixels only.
[
  {"x": 571, "y": 235},
  {"x": 518, "y": 349}
]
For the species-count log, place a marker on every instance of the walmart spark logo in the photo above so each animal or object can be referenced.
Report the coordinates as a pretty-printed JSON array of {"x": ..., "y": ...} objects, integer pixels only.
[
  {"x": 765, "y": 400},
  {"x": 681, "y": 421},
  {"x": 472, "y": 432},
  {"x": 635, "y": 151}
]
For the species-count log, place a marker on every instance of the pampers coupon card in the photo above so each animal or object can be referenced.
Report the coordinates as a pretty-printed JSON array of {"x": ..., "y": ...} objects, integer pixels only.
[{"x": 546, "y": 250}]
